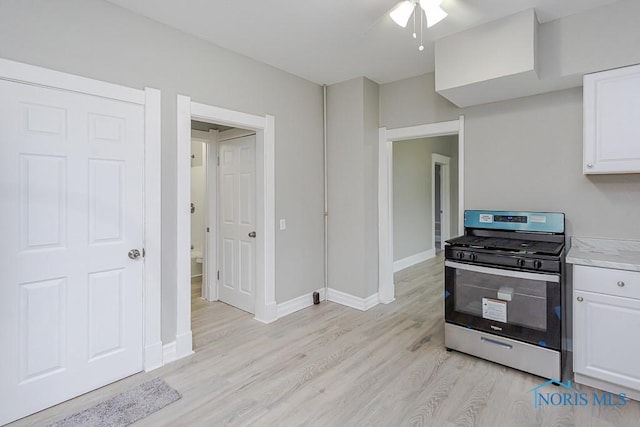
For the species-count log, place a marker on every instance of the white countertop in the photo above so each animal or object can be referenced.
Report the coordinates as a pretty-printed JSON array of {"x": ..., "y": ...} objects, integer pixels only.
[{"x": 607, "y": 253}]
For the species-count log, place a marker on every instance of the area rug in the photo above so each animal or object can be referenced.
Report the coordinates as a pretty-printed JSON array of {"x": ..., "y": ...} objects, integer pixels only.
[{"x": 125, "y": 408}]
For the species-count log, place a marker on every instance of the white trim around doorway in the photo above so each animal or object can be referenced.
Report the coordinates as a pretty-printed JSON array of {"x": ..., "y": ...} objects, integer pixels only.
[
  {"x": 150, "y": 99},
  {"x": 386, "y": 286},
  {"x": 264, "y": 126}
]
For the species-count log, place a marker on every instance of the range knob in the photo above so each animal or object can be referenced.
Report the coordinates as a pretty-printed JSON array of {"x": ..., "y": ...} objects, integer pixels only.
[
  {"x": 537, "y": 264},
  {"x": 473, "y": 257},
  {"x": 460, "y": 255},
  {"x": 521, "y": 262}
]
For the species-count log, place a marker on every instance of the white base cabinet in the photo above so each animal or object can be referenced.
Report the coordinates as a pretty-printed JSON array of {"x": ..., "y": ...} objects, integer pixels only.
[
  {"x": 606, "y": 329},
  {"x": 611, "y": 125}
]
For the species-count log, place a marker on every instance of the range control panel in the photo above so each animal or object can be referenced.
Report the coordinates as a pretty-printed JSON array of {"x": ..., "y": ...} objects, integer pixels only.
[{"x": 545, "y": 222}]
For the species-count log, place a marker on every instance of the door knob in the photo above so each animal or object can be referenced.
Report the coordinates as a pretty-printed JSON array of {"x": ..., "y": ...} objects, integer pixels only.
[
  {"x": 134, "y": 254},
  {"x": 252, "y": 234}
]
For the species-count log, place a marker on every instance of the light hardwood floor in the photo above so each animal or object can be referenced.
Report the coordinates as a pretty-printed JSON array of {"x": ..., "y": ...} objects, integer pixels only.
[{"x": 330, "y": 365}]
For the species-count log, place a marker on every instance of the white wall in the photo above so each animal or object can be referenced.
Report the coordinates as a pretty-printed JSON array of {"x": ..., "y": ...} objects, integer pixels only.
[
  {"x": 412, "y": 208},
  {"x": 96, "y": 39},
  {"x": 491, "y": 62}
]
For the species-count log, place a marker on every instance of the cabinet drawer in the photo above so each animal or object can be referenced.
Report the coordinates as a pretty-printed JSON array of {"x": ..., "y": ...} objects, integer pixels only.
[{"x": 607, "y": 281}]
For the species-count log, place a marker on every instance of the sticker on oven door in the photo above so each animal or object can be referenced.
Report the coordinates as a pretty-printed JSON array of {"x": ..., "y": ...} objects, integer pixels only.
[
  {"x": 486, "y": 218},
  {"x": 493, "y": 309}
]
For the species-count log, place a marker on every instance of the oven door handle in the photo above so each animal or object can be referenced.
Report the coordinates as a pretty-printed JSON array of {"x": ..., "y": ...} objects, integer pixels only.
[{"x": 503, "y": 272}]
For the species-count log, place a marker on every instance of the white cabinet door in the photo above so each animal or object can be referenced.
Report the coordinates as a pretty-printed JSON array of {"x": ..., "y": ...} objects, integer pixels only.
[
  {"x": 71, "y": 208},
  {"x": 606, "y": 338},
  {"x": 611, "y": 124}
]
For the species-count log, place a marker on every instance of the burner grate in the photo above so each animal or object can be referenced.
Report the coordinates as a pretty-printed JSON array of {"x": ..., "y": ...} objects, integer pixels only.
[{"x": 515, "y": 245}]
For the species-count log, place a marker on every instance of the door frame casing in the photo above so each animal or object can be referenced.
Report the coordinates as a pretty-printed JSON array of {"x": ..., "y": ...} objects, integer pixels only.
[
  {"x": 386, "y": 286},
  {"x": 445, "y": 198},
  {"x": 264, "y": 126},
  {"x": 149, "y": 98}
]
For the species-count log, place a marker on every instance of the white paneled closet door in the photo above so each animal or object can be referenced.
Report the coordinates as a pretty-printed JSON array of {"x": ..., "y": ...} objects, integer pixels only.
[{"x": 71, "y": 172}]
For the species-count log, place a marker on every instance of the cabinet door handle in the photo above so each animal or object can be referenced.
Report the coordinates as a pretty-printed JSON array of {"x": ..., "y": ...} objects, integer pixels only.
[
  {"x": 589, "y": 165},
  {"x": 620, "y": 283},
  {"x": 579, "y": 299}
]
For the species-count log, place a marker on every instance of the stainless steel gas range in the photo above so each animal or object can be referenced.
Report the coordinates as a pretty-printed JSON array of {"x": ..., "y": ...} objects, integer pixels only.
[{"x": 504, "y": 281}]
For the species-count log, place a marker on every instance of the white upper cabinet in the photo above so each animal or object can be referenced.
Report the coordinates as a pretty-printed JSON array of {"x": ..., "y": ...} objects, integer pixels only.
[{"x": 612, "y": 121}]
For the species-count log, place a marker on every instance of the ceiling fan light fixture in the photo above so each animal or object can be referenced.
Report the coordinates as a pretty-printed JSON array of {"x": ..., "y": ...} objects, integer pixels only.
[
  {"x": 434, "y": 14},
  {"x": 402, "y": 12},
  {"x": 433, "y": 11}
]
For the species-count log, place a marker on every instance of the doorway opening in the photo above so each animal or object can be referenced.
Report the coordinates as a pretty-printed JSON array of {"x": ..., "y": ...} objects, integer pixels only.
[
  {"x": 423, "y": 169},
  {"x": 198, "y": 209},
  {"x": 264, "y": 128},
  {"x": 223, "y": 213},
  {"x": 387, "y": 137}
]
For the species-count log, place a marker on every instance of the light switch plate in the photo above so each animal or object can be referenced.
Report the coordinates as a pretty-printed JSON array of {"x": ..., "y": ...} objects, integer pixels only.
[{"x": 283, "y": 224}]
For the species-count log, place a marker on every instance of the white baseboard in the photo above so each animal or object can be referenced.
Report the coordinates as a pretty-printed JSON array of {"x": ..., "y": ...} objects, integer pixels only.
[
  {"x": 298, "y": 303},
  {"x": 269, "y": 315},
  {"x": 153, "y": 356},
  {"x": 362, "y": 304},
  {"x": 403, "y": 263},
  {"x": 169, "y": 352},
  {"x": 177, "y": 349},
  {"x": 184, "y": 345},
  {"x": 342, "y": 298}
]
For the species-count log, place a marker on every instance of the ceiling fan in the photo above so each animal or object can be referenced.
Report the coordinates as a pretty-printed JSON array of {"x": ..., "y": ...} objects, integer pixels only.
[{"x": 402, "y": 11}]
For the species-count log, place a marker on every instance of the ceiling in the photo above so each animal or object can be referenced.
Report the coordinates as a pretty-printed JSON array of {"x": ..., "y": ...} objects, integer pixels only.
[
  {"x": 328, "y": 41},
  {"x": 206, "y": 127}
]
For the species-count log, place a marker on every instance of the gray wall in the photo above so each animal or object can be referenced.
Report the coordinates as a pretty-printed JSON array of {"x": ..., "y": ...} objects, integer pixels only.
[
  {"x": 95, "y": 39},
  {"x": 412, "y": 208},
  {"x": 371, "y": 141},
  {"x": 598, "y": 39},
  {"x": 352, "y": 162},
  {"x": 525, "y": 154}
]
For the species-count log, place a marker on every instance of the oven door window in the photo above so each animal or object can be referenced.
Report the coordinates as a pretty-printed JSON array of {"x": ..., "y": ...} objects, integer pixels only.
[
  {"x": 515, "y": 304},
  {"x": 510, "y": 300}
]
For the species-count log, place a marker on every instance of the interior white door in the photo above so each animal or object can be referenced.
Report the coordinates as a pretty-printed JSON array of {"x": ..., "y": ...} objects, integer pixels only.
[
  {"x": 71, "y": 172},
  {"x": 237, "y": 195}
]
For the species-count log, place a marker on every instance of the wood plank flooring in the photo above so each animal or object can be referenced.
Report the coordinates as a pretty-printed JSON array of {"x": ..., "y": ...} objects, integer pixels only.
[{"x": 330, "y": 365}]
